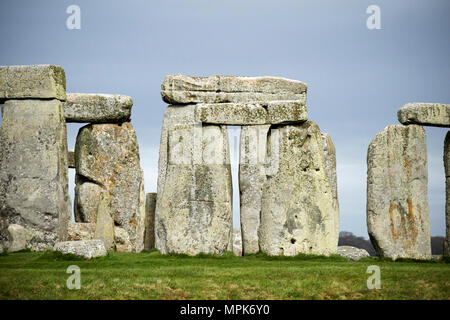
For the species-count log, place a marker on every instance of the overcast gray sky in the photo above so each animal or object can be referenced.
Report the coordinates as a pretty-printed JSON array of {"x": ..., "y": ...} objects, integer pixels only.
[{"x": 357, "y": 78}]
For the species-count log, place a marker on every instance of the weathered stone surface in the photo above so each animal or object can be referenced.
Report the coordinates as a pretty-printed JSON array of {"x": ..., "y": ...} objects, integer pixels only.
[
  {"x": 37, "y": 81},
  {"x": 80, "y": 231},
  {"x": 253, "y": 142},
  {"x": 150, "y": 207},
  {"x": 237, "y": 242},
  {"x": 71, "y": 159},
  {"x": 329, "y": 152},
  {"x": 427, "y": 114},
  {"x": 397, "y": 196},
  {"x": 97, "y": 108},
  {"x": 257, "y": 113},
  {"x": 352, "y": 253},
  {"x": 88, "y": 248},
  {"x": 122, "y": 240},
  {"x": 297, "y": 211},
  {"x": 193, "y": 207},
  {"x": 447, "y": 193},
  {"x": 107, "y": 155},
  {"x": 180, "y": 89},
  {"x": 87, "y": 197},
  {"x": 19, "y": 238},
  {"x": 33, "y": 171},
  {"x": 104, "y": 228}
]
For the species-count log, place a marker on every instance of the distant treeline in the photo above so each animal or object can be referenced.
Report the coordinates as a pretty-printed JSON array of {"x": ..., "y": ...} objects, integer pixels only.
[{"x": 349, "y": 239}]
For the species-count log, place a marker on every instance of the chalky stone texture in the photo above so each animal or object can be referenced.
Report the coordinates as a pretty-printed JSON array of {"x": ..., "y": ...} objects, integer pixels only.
[
  {"x": 97, "y": 108},
  {"x": 447, "y": 192},
  {"x": 104, "y": 228},
  {"x": 253, "y": 141},
  {"x": 107, "y": 155},
  {"x": 397, "y": 196},
  {"x": 193, "y": 207},
  {"x": 237, "y": 242},
  {"x": 329, "y": 152},
  {"x": 33, "y": 171},
  {"x": 122, "y": 240},
  {"x": 180, "y": 89},
  {"x": 80, "y": 231},
  {"x": 427, "y": 114},
  {"x": 272, "y": 112},
  {"x": 87, "y": 197},
  {"x": 38, "y": 81},
  {"x": 87, "y": 248},
  {"x": 297, "y": 212},
  {"x": 19, "y": 238},
  {"x": 150, "y": 207},
  {"x": 352, "y": 253}
]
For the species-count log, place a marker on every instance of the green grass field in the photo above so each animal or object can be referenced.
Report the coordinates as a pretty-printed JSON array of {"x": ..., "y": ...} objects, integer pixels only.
[{"x": 150, "y": 275}]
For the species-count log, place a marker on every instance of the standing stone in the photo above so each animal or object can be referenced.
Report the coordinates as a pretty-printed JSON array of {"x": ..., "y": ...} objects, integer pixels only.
[
  {"x": 107, "y": 155},
  {"x": 33, "y": 171},
  {"x": 19, "y": 238},
  {"x": 427, "y": 114},
  {"x": 37, "y": 82},
  {"x": 122, "y": 240},
  {"x": 80, "y": 231},
  {"x": 104, "y": 228},
  {"x": 150, "y": 207},
  {"x": 397, "y": 194},
  {"x": 329, "y": 152},
  {"x": 447, "y": 193},
  {"x": 97, "y": 108},
  {"x": 252, "y": 176},
  {"x": 237, "y": 242},
  {"x": 71, "y": 159},
  {"x": 193, "y": 207},
  {"x": 298, "y": 212},
  {"x": 87, "y": 198}
]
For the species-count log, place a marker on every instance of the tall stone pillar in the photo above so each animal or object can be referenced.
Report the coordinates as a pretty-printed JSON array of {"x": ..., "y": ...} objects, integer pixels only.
[
  {"x": 150, "y": 207},
  {"x": 447, "y": 193},
  {"x": 33, "y": 156}
]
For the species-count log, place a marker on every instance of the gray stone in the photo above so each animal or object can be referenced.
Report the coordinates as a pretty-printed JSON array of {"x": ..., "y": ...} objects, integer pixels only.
[
  {"x": 97, "y": 108},
  {"x": 427, "y": 114},
  {"x": 237, "y": 242},
  {"x": 88, "y": 248},
  {"x": 397, "y": 193},
  {"x": 37, "y": 81},
  {"x": 447, "y": 193},
  {"x": 71, "y": 159},
  {"x": 252, "y": 176},
  {"x": 122, "y": 240},
  {"x": 87, "y": 197},
  {"x": 107, "y": 155},
  {"x": 193, "y": 207},
  {"x": 352, "y": 253},
  {"x": 33, "y": 171},
  {"x": 180, "y": 89},
  {"x": 150, "y": 207},
  {"x": 297, "y": 212},
  {"x": 80, "y": 231},
  {"x": 19, "y": 238},
  {"x": 257, "y": 113},
  {"x": 329, "y": 152},
  {"x": 104, "y": 228}
]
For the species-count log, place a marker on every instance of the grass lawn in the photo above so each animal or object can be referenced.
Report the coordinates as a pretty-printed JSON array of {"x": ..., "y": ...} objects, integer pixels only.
[{"x": 150, "y": 275}]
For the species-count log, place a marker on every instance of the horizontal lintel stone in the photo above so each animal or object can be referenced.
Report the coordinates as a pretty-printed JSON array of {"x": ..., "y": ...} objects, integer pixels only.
[
  {"x": 32, "y": 82},
  {"x": 257, "y": 113},
  {"x": 97, "y": 108},
  {"x": 427, "y": 114}
]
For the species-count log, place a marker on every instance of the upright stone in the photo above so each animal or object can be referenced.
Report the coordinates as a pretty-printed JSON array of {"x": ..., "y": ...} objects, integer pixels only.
[
  {"x": 298, "y": 212},
  {"x": 329, "y": 152},
  {"x": 397, "y": 196},
  {"x": 447, "y": 193},
  {"x": 104, "y": 228},
  {"x": 252, "y": 176},
  {"x": 150, "y": 207},
  {"x": 193, "y": 207},
  {"x": 33, "y": 168},
  {"x": 107, "y": 159}
]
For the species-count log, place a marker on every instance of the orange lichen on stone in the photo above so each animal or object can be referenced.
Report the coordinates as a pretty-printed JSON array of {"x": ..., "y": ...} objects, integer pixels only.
[
  {"x": 410, "y": 208},
  {"x": 392, "y": 207}
]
